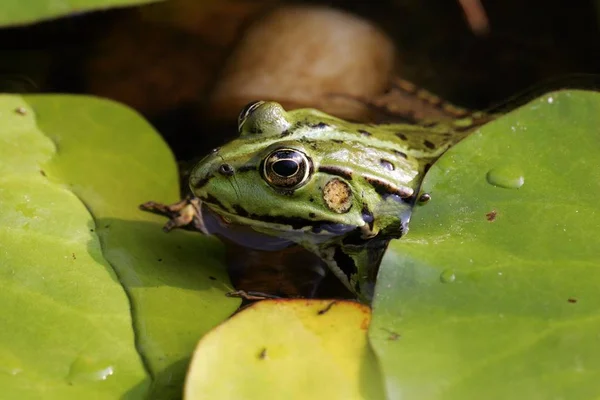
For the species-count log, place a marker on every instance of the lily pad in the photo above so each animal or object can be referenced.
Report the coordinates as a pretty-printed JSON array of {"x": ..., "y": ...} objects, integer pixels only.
[
  {"x": 18, "y": 12},
  {"x": 82, "y": 265},
  {"x": 494, "y": 292},
  {"x": 288, "y": 349}
]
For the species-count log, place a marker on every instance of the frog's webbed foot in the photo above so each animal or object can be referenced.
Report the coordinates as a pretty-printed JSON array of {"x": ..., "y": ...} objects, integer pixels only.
[
  {"x": 185, "y": 214},
  {"x": 252, "y": 295}
]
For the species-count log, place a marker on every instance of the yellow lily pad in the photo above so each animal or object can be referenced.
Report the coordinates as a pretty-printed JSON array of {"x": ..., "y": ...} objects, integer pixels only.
[{"x": 288, "y": 349}]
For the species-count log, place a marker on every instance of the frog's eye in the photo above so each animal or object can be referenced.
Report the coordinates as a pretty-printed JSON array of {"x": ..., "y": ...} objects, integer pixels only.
[
  {"x": 247, "y": 111},
  {"x": 286, "y": 169}
]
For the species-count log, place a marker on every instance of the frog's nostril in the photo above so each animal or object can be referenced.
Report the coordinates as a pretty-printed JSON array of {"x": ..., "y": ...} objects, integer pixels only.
[{"x": 226, "y": 169}]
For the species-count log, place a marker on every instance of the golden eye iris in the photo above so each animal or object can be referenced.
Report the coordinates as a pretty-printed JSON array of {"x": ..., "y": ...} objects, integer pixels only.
[{"x": 286, "y": 169}]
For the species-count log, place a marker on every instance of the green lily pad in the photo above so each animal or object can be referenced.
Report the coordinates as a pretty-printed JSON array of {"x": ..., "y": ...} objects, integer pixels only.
[
  {"x": 18, "y": 12},
  {"x": 97, "y": 298},
  {"x": 494, "y": 292},
  {"x": 288, "y": 349}
]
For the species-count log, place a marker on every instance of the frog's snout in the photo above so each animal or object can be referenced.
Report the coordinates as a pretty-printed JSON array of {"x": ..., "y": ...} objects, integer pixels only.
[{"x": 204, "y": 172}]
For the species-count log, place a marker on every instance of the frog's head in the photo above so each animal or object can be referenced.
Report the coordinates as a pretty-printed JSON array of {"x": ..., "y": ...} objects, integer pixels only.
[{"x": 273, "y": 180}]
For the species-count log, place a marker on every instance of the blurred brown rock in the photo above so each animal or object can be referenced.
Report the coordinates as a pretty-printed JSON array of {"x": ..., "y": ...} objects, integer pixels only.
[{"x": 306, "y": 56}]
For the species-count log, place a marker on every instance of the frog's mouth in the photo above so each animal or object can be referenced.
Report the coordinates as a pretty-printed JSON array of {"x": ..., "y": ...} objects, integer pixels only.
[{"x": 264, "y": 234}]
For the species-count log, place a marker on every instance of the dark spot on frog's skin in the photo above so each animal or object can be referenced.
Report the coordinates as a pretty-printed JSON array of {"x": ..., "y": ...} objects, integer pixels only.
[
  {"x": 312, "y": 215},
  {"x": 430, "y": 124},
  {"x": 319, "y": 125},
  {"x": 387, "y": 164},
  {"x": 572, "y": 300},
  {"x": 294, "y": 222},
  {"x": 159, "y": 260},
  {"x": 364, "y": 133},
  {"x": 255, "y": 131},
  {"x": 313, "y": 145},
  {"x": 338, "y": 141},
  {"x": 213, "y": 200},
  {"x": 327, "y": 308},
  {"x": 239, "y": 210},
  {"x": 429, "y": 144},
  {"x": 491, "y": 216},
  {"x": 424, "y": 198},
  {"x": 385, "y": 188},
  {"x": 107, "y": 226},
  {"x": 299, "y": 124},
  {"x": 263, "y": 354},
  {"x": 311, "y": 199},
  {"x": 246, "y": 168},
  {"x": 42, "y": 172},
  {"x": 200, "y": 183},
  {"x": 91, "y": 230},
  {"x": 286, "y": 192},
  {"x": 285, "y": 133},
  {"x": 401, "y": 136},
  {"x": 345, "y": 262},
  {"x": 226, "y": 169},
  {"x": 338, "y": 171},
  {"x": 401, "y": 154},
  {"x": 212, "y": 278},
  {"x": 73, "y": 255}
]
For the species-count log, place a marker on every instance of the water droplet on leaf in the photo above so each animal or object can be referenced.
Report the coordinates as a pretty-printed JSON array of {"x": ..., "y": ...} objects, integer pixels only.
[
  {"x": 87, "y": 369},
  {"x": 508, "y": 177},
  {"x": 447, "y": 276}
]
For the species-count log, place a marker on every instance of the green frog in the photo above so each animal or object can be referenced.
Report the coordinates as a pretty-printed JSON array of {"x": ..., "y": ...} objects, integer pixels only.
[{"x": 340, "y": 190}]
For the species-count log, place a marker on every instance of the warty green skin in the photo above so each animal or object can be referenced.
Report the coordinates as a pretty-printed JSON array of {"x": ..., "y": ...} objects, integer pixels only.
[{"x": 377, "y": 167}]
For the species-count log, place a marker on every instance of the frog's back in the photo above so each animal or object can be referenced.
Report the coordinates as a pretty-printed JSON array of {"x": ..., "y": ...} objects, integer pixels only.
[
  {"x": 394, "y": 153},
  {"x": 416, "y": 140},
  {"x": 389, "y": 158}
]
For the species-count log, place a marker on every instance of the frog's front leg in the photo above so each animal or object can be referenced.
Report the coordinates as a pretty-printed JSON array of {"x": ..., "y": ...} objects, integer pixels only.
[
  {"x": 185, "y": 214},
  {"x": 356, "y": 265}
]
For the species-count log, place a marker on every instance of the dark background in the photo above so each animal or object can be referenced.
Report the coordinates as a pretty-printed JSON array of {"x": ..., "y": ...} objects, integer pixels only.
[{"x": 166, "y": 70}]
